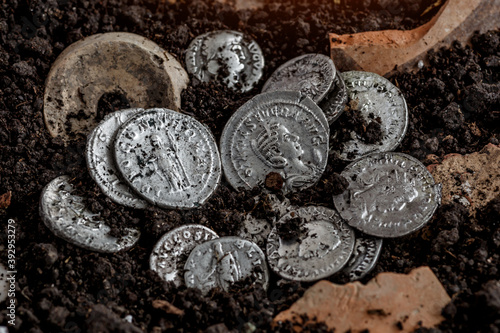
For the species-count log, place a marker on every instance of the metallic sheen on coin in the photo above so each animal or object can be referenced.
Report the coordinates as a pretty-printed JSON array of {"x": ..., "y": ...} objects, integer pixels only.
[
  {"x": 364, "y": 257},
  {"x": 281, "y": 131},
  {"x": 221, "y": 262},
  {"x": 228, "y": 53},
  {"x": 100, "y": 161},
  {"x": 311, "y": 74},
  {"x": 171, "y": 251},
  {"x": 376, "y": 98},
  {"x": 67, "y": 217},
  {"x": 334, "y": 102},
  {"x": 323, "y": 248},
  {"x": 389, "y": 195},
  {"x": 168, "y": 158}
]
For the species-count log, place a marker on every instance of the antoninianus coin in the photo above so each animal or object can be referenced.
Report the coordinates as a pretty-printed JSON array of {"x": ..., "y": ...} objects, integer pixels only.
[
  {"x": 334, "y": 102},
  {"x": 168, "y": 158},
  {"x": 364, "y": 257},
  {"x": 311, "y": 74},
  {"x": 227, "y": 54},
  {"x": 100, "y": 160},
  {"x": 283, "y": 132},
  {"x": 389, "y": 195},
  {"x": 378, "y": 100},
  {"x": 322, "y": 248},
  {"x": 66, "y": 215},
  {"x": 172, "y": 250},
  {"x": 221, "y": 262}
]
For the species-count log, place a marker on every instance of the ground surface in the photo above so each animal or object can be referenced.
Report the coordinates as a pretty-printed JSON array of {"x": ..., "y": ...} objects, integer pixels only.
[{"x": 61, "y": 288}]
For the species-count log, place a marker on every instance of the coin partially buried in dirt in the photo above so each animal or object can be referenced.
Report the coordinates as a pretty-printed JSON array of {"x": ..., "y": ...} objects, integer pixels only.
[
  {"x": 66, "y": 215},
  {"x": 172, "y": 250},
  {"x": 364, "y": 257},
  {"x": 168, "y": 158},
  {"x": 389, "y": 195}
]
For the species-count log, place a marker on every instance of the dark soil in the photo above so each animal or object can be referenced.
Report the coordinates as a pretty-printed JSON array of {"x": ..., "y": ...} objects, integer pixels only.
[{"x": 454, "y": 105}]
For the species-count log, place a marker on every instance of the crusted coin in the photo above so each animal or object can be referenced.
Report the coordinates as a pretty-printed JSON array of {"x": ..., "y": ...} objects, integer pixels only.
[
  {"x": 221, "y": 262},
  {"x": 322, "y": 247},
  {"x": 389, "y": 195},
  {"x": 364, "y": 257},
  {"x": 66, "y": 215},
  {"x": 168, "y": 158},
  {"x": 283, "y": 132},
  {"x": 334, "y": 102},
  {"x": 228, "y": 54},
  {"x": 172, "y": 250}
]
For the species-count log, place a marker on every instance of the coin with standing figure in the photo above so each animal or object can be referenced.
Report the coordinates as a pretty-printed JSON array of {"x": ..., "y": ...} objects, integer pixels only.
[{"x": 364, "y": 257}]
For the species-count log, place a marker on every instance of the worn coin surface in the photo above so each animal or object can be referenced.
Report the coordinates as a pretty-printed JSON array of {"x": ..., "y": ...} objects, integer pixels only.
[
  {"x": 172, "y": 250},
  {"x": 334, "y": 102},
  {"x": 236, "y": 58},
  {"x": 221, "y": 262},
  {"x": 376, "y": 98},
  {"x": 100, "y": 160},
  {"x": 283, "y": 132},
  {"x": 311, "y": 74},
  {"x": 168, "y": 158},
  {"x": 66, "y": 215},
  {"x": 364, "y": 257},
  {"x": 389, "y": 195},
  {"x": 323, "y": 248}
]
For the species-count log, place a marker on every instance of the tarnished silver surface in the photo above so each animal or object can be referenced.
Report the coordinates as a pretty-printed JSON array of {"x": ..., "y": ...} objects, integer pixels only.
[
  {"x": 67, "y": 217},
  {"x": 364, "y": 257},
  {"x": 221, "y": 262},
  {"x": 228, "y": 53},
  {"x": 334, "y": 102},
  {"x": 374, "y": 95},
  {"x": 168, "y": 158},
  {"x": 323, "y": 248},
  {"x": 389, "y": 195},
  {"x": 100, "y": 161},
  {"x": 311, "y": 74},
  {"x": 172, "y": 250},
  {"x": 281, "y": 131}
]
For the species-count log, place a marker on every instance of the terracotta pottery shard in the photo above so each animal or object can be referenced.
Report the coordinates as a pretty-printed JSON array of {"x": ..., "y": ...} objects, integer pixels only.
[
  {"x": 388, "y": 303},
  {"x": 381, "y": 51}
]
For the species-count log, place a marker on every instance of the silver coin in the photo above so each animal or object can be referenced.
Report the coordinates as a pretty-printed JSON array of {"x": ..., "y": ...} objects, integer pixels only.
[
  {"x": 389, "y": 195},
  {"x": 283, "y": 132},
  {"x": 323, "y": 248},
  {"x": 311, "y": 74},
  {"x": 171, "y": 251},
  {"x": 4, "y": 283},
  {"x": 219, "y": 263},
  {"x": 100, "y": 161},
  {"x": 364, "y": 257},
  {"x": 334, "y": 102},
  {"x": 66, "y": 215},
  {"x": 229, "y": 53},
  {"x": 376, "y": 98},
  {"x": 168, "y": 158}
]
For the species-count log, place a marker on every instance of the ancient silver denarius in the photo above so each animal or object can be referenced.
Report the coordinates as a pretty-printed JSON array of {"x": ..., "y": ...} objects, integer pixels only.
[
  {"x": 311, "y": 74},
  {"x": 168, "y": 158},
  {"x": 66, "y": 215},
  {"x": 376, "y": 98},
  {"x": 283, "y": 132},
  {"x": 334, "y": 102},
  {"x": 221, "y": 262},
  {"x": 323, "y": 248},
  {"x": 100, "y": 160},
  {"x": 364, "y": 257},
  {"x": 234, "y": 57},
  {"x": 172, "y": 250},
  {"x": 389, "y": 195}
]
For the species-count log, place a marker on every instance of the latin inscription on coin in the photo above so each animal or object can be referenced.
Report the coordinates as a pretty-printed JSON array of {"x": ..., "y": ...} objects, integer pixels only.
[
  {"x": 323, "y": 248},
  {"x": 172, "y": 250},
  {"x": 389, "y": 195},
  {"x": 100, "y": 161},
  {"x": 364, "y": 257},
  {"x": 66, "y": 215},
  {"x": 311, "y": 74},
  {"x": 170, "y": 159},
  {"x": 221, "y": 262},
  {"x": 227, "y": 53},
  {"x": 283, "y": 132},
  {"x": 334, "y": 102}
]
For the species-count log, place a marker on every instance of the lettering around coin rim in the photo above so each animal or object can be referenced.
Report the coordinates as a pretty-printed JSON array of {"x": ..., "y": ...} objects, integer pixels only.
[{"x": 364, "y": 257}]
